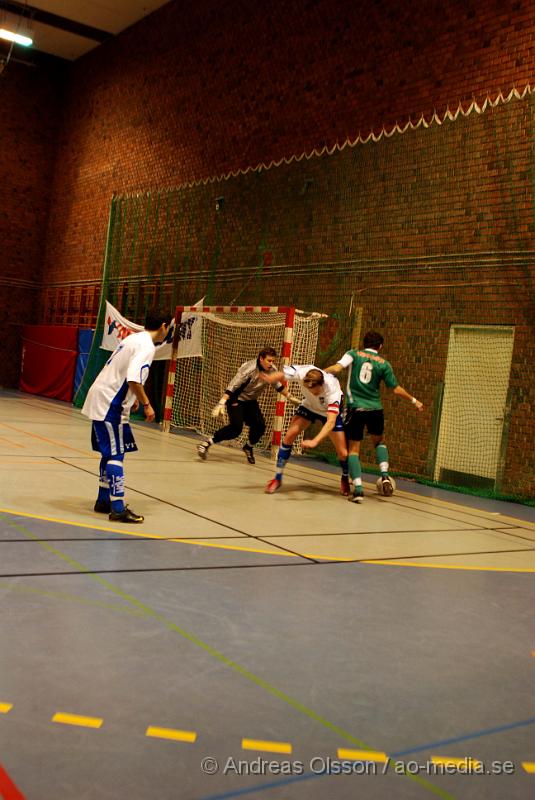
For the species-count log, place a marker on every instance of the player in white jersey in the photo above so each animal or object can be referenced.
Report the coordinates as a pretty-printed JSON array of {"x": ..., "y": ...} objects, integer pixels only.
[
  {"x": 322, "y": 399},
  {"x": 117, "y": 390}
]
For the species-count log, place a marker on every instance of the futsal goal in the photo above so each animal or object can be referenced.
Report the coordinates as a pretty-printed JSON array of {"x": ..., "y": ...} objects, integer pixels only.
[{"x": 231, "y": 335}]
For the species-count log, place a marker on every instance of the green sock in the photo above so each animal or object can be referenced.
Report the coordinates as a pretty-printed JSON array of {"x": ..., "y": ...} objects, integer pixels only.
[
  {"x": 381, "y": 454},
  {"x": 355, "y": 469}
]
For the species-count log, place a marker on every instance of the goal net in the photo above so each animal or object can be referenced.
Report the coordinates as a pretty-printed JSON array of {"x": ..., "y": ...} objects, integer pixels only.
[{"x": 231, "y": 336}]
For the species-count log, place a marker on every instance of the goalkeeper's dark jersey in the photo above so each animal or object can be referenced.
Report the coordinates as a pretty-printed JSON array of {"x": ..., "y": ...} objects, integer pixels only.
[{"x": 368, "y": 369}]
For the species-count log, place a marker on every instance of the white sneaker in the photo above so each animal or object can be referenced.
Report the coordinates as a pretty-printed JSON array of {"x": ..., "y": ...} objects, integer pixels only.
[{"x": 388, "y": 488}]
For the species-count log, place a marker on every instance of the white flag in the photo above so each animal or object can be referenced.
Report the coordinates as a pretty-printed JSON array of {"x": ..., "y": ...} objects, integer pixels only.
[{"x": 117, "y": 328}]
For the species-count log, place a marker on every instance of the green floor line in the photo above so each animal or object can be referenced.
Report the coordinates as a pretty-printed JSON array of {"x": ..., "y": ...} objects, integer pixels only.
[
  {"x": 223, "y": 659},
  {"x": 71, "y": 598}
]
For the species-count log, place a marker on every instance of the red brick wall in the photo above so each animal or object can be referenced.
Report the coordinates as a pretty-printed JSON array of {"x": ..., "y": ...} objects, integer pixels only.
[
  {"x": 30, "y": 102},
  {"x": 201, "y": 88}
]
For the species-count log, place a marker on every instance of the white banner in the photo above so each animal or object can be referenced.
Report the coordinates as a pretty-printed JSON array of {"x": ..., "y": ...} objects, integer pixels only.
[{"x": 117, "y": 328}]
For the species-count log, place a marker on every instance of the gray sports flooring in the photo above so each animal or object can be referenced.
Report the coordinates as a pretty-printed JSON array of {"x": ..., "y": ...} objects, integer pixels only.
[{"x": 268, "y": 634}]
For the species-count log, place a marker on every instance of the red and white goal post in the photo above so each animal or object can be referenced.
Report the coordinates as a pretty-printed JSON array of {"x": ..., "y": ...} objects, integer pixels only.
[{"x": 231, "y": 335}]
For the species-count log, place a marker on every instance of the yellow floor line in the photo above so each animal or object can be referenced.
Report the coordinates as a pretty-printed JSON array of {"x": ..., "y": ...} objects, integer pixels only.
[
  {"x": 201, "y": 543},
  {"x": 171, "y": 733},
  {"x": 77, "y": 719},
  {"x": 3, "y": 439},
  {"x": 5, "y": 707},
  {"x": 48, "y": 461},
  {"x": 464, "y": 764},
  {"x": 449, "y": 566},
  {"x": 266, "y": 747},
  {"x": 129, "y": 532},
  {"x": 89, "y": 525},
  {"x": 362, "y": 755},
  {"x": 48, "y": 441}
]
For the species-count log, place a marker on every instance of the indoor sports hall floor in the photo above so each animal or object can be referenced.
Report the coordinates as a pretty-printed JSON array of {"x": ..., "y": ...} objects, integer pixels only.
[{"x": 239, "y": 644}]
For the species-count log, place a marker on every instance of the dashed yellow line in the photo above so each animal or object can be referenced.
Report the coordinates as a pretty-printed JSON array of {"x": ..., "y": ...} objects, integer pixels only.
[
  {"x": 461, "y": 763},
  {"x": 362, "y": 755},
  {"x": 171, "y": 733},
  {"x": 77, "y": 719},
  {"x": 266, "y": 747},
  {"x": 466, "y": 764}
]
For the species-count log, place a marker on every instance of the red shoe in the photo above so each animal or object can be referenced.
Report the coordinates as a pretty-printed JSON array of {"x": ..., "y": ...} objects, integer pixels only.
[
  {"x": 345, "y": 486},
  {"x": 272, "y": 486}
]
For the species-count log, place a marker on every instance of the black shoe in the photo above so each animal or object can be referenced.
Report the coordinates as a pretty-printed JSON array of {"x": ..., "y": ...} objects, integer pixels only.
[
  {"x": 248, "y": 450},
  {"x": 357, "y": 496},
  {"x": 125, "y": 516},
  {"x": 102, "y": 507},
  {"x": 202, "y": 450}
]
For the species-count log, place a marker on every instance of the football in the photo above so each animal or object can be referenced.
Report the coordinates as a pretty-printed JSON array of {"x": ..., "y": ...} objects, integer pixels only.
[{"x": 379, "y": 484}]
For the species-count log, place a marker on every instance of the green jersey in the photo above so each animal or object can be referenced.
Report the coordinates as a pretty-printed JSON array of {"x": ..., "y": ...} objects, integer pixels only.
[{"x": 368, "y": 369}]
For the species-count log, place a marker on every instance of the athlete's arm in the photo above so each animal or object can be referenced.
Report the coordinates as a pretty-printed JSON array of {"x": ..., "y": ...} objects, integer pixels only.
[
  {"x": 328, "y": 427},
  {"x": 399, "y": 390},
  {"x": 272, "y": 377},
  {"x": 334, "y": 369},
  {"x": 143, "y": 400},
  {"x": 290, "y": 397},
  {"x": 341, "y": 364}
]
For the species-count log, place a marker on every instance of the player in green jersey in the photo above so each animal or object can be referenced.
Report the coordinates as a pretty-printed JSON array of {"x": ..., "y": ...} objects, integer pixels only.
[{"x": 364, "y": 407}]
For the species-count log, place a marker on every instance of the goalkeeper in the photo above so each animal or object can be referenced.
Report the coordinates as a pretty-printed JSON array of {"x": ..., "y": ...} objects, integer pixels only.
[
  {"x": 240, "y": 401},
  {"x": 322, "y": 401}
]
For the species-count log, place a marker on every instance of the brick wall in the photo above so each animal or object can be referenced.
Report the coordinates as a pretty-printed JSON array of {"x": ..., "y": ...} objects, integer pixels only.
[
  {"x": 422, "y": 230},
  {"x": 201, "y": 88},
  {"x": 30, "y": 101}
]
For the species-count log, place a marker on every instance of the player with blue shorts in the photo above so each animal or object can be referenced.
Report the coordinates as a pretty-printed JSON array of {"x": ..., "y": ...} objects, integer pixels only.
[{"x": 117, "y": 390}]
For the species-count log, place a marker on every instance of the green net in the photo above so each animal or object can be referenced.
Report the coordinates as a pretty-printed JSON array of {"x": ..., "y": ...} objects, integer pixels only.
[{"x": 426, "y": 236}]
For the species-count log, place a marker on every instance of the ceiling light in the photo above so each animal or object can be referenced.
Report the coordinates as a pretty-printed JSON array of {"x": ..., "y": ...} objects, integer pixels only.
[
  {"x": 18, "y": 38},
  {"x": 16, "y": 28}
]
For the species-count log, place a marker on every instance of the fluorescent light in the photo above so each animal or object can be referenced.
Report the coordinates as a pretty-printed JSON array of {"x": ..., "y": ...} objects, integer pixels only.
[{"x": 15, "y": 37}]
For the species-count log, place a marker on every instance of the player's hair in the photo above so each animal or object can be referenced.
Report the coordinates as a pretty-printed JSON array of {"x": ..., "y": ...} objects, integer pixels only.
[
  {"x": 314, "y": 377},
  {"x": 156, "y": 317},
  {"x": 267, "y": 351},
  {"x": 373, "y": 339}
]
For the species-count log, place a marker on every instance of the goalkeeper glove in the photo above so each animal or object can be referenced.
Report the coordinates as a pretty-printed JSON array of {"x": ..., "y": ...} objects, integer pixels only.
[{"x": 219, "y": 408}]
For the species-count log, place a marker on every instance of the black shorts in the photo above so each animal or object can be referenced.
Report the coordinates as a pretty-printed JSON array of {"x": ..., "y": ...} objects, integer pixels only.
[
  {"x": 356, "y": 421},
  {"x": 311, "y": 416}
]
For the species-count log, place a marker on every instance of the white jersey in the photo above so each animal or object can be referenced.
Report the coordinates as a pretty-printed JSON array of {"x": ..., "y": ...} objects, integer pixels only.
[
  {"x": 329, "y": 399},
  {"x": 110, "y": 398}
]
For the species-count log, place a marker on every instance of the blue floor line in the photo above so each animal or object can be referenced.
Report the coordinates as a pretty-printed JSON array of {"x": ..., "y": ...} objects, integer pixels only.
[{"x": 399, "y": 754}]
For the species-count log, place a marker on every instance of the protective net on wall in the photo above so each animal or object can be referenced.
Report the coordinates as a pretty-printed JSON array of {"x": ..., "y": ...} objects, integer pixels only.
[
  {"x": 227, "y": 341},
  {"x": 416, "y": 233}
]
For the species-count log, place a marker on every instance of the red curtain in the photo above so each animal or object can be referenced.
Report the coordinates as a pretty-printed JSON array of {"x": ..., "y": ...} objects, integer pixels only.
[{"x": 49, "y": 354}]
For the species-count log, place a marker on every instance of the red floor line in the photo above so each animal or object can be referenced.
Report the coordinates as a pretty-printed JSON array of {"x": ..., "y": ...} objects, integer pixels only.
[{"x": 8, "y": 790}]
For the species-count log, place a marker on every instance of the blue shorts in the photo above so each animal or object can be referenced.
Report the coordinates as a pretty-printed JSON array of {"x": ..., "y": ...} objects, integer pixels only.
[
  {"x": 311, "y": 416},
  {"x": 112, "y": 438}
]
